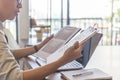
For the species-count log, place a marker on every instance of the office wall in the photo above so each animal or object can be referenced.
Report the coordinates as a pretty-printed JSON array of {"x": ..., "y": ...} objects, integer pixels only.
[{"x": 23, "y": 22}]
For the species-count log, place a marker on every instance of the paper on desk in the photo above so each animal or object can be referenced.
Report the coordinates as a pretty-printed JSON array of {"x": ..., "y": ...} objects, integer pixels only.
[{"x": 96, "y": 75}]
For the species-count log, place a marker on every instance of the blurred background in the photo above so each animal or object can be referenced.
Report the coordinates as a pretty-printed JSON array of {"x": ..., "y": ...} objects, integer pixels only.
[{"x": 51, "y": 15}]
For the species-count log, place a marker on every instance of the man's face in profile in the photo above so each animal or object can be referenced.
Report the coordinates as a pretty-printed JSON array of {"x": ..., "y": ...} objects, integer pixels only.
[{"x": 9, "y": 9}]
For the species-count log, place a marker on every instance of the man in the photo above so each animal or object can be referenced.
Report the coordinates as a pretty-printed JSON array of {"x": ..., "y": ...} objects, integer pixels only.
[{"x": 9, "y": 69}]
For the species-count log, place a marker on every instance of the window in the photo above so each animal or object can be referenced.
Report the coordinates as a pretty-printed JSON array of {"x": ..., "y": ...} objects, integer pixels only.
[{"x": 79, "y": 13}]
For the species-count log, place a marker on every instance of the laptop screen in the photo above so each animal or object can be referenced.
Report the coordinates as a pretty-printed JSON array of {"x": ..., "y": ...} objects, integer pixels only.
[{"x": 89, "y": 48}]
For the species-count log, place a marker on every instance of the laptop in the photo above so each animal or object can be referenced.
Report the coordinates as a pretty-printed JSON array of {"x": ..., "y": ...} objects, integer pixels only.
[
  {"x": 89, "y": 48},
  {"x": 89, "y": 34},
  {"x": 87, "y": 52}
]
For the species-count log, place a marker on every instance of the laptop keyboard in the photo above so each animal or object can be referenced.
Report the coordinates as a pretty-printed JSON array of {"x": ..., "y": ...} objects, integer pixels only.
[{"x": 74, "y": 65}]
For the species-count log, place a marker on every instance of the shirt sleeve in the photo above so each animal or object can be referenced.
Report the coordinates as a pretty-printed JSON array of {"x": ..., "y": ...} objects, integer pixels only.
[{"x": 9, "y": 68}]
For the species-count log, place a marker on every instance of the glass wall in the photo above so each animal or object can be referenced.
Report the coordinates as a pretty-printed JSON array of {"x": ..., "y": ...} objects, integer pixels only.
[
  {"x": 50, "y": 12},
  {"x": 104, "y": 14},
  {"x": 85, "y": 13}
]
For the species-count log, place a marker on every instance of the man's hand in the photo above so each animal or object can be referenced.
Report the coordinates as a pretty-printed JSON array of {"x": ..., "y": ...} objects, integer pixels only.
[
  {"x": 44, "y": 42},
  {"x": 72, "y": 53}
]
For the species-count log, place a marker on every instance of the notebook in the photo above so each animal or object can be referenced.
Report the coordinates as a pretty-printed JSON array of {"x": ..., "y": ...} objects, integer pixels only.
[{"x": 86, "y": 74}]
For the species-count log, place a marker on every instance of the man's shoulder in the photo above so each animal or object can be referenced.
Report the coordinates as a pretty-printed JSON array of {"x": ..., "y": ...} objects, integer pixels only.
[{"x": 2, "y": 36}]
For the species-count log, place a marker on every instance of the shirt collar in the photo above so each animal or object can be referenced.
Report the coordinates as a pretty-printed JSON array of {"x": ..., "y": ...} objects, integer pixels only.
[{"x": 1, "y": 25}]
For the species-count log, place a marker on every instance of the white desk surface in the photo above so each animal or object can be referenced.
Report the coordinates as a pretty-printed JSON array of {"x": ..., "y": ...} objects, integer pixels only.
[{"x": 105, "y": 58}]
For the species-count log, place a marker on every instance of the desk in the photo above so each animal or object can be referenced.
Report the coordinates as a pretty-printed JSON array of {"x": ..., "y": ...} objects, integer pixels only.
[{"x": 105, "y": 58}]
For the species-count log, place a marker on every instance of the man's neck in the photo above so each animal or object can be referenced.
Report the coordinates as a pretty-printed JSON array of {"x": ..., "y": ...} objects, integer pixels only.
[{"x": 2, "y": 19}]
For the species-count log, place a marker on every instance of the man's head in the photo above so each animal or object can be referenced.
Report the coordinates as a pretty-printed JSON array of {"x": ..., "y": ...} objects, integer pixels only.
[{"x": 9, "y": 9}]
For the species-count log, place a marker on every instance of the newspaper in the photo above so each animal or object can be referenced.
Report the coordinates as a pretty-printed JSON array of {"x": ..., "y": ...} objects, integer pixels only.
[{"x": 61, "y": 38}]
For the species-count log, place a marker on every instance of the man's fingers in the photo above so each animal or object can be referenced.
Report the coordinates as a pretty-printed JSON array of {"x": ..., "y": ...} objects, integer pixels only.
[
  {"x": 51, "y": 36},
  {"x": 76, "y": 45},
  {"x": 78, "y": 50}
]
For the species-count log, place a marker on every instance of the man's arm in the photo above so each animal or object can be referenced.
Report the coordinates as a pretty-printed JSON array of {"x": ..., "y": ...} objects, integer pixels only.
[
  {"x": 9, "y": 68},
  {"x": 23, "y": 52},
  {"x": 39, "y": 73}
]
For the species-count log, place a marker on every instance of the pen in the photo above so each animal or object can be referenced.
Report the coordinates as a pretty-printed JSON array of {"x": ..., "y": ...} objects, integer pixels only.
[{"x": 82, "y": 74}]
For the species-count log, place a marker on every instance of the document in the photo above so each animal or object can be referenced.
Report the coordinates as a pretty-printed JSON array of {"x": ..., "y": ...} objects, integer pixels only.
[
  {"x": 61, "y": 38},
  {"x": 86, "y": 74},
  {"x": 81, "y": 36}
]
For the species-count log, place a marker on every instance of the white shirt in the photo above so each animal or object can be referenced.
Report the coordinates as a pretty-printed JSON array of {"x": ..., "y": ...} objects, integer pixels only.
[{"x": 9, "y": 68}]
